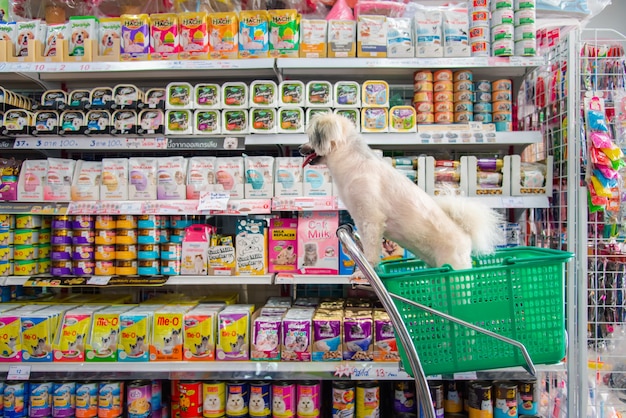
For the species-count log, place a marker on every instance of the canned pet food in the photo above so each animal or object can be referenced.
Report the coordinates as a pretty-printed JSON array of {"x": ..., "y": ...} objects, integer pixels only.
[
  {"x": 526, "y": 48},
  {"x": 61, "y": 222},
  {"x": 104, "y": 268},
  {"x": 479, "y": 34},
  {"x": 482, "y": 86},
  {"x": 502, "y": 106},
  {"x": 15, "y": 399},
  {"x": 443, "y": 107},
  {"x": 126, "y": 267},
  {"x": 148, "y": 251},
  {"x": 148, "y": 236},
  {"x": 309, "y": 399},
  {"x": 503, "y": 84},
  {"x": 179, "y": 221},
  {"x": 171, "y": 251},
  {"x": 424, "y": 107},
  {"x": 422, "y": 75},
  {"x": 157, "y": 395},
  {"x": 7, "y": 221},
  {"x": 343, "y": 399},
  {"x": 528, "y": 397},
  {"x": 464, "y": 106},
  {"x": 25, "y": 267},
  {"x": 404, "y": 404},
  {"x": 237, "y": 398},
  {"x": 367, "y": 399},
  {"x": 443, "y": 75},
  {"x": 61, "y": 268},
  {"x": 423, "y": 96},
  {"x": 25, "y": 252},
  {"x": 170, "y": 267},
  {"x": 126, "y": 236},
  {"x": 483, "y": 107},
  {"x": 83, "y": 267},
  {"x": 43, "y": 265},
  {"x": 483, "y": 97},
  {"x": 148, "y": 221},
  {"x": 148, "y": 267},
  {"x": 426, "y": 86},
  {"x": 164, "y": 236},
  {"x": 480, "y": 4},
  {"x": 105, "y": 236},
  {"x": 443, "y": 96},
  {"x": 25, "y": 236},
  {"x": 502, "y": 116},
  {"x": 260, "y": 400},
  {"x": 502, "y": 17},
  {"x": 40, "y": 405},
  {"x": 503, "y": 48},
  {"x": 479, "y": 18},
  {"x": 425, "y": 117},
  {"x": 61, "y": 236},
  {"x": 503, "y": 126},
  {"x": 484, "y": 117},
  {"x": 45, "y": 235},
  {"x": 126, "y": 252},
  {"x": 525, "y": 33},
  {"x": 479, "y": 399},
  {"x": 284, "y": 399},
  {"x": 443, "y": 85},
  {"x": 6, "y": 237},
  {"x": 505, "y": 398},
  {"x": 463, "y": 96},
  {"x": 27, "y": 221},
  {"x": 83, "y": 236},
  {"x": 177, "y": 235},
  {"x": 452, "y": 401},
  {"x": 214, "y": 396},
  {"x": 87, "y": 400},
  {"x": 463, "y": 85},
  {"x": 6, "y": 268},
  {"x": 104, "y": 252},
  {"x": 463, "y": 117},
  {"x": 83, "y": 222},
  {"x": 501, "y": 4},
  {"x": 139, "y": 400},
  {"x": 164, "y": 222},
  {"x": 436, "y": 394},
  {"x": 480, "y": 48},
  {"x": 64, "y": 399},
  {"x": 498, "y": 96},
  {"x": 444, "y": 117},
  {"x": 6, "y": 253},
  {"x": 524, "y": 4},
  {"x": 110, "y": 399},
  {"x": 126, "y": 222},
  {"x": 105, "y": 222},
  {"x": 83, "y": 252}
]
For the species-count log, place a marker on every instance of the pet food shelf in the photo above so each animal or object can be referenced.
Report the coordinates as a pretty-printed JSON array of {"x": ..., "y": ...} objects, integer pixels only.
[{"x": 123, "y": 281}]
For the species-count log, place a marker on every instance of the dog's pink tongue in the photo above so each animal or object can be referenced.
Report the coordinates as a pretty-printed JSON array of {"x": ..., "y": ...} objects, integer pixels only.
[{"x": 308, "y": 159}]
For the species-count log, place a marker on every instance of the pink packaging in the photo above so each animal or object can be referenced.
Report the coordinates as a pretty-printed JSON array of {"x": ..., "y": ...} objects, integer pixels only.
[
  {"x": 297, "y": 334},
  {"x": 309, "y": 399},
  {"x": 58, "y": 185},
  {"x": 266, "y": 334},
  {"x": 283, "y": 245},
  {"x": 318, "y": 246},
  {"x": 164, "y": 41}
]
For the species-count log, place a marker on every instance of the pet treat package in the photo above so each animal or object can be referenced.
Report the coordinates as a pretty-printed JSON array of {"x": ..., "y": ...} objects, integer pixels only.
[
  {"x": 223, "y": 35},
  {"x": 317, "y": 181},
  {"x": 313, "y": 34},
  {"x": 114, "y": 179},
  {"x": 372, "y": 36},
  {"x": 82, "y": 30},
  {"x": 251, "y": 247},
  {"x": 234, "y": 333},
  {"x": 31, "y": 181},
  {"x": 297, "y": 332},
  {"x": 341, "y": 39},
  {"x": 109, "y": 30},
  {"x": 200, "y": 176},
  {"x": 385, "y": 345},
  {"x": 358, "y": 332},
  {"x": 167, "y": 333},
  {"x": 283, "y": 245},
  {"x": 229, "y": 173},
  {"x": 200, "y": 327},
  {"x": 54, "y": 36},
  {"x": 266, "y": 336},
  {"x": 327, "y": 335},
  {"x": 25, "y": 31},
  {"x": 135, "y": 334},
  {"x": 195, "y": 252},
  {"x": 428, "y": 32},
  {"x": 194, "y": 36},
  {"x": 102, "y": 342},
  {"x": 143, "y": 175},
  {"x": 164, "y": 41},
  {"x": 253, "y": 34},
  {"x": 318, "y": 246},
  {"x": 86, "y": 182},
  {"x": 135, "y": 37},
  {"x": 259, "y": 177},
  {"x": 8, "y": 33},
  {"x": 284, "y": 27},
  {"x": 288, "y": 177},
  {"x": 58, "y": 186},
  {"x": 171, "y": 178}
]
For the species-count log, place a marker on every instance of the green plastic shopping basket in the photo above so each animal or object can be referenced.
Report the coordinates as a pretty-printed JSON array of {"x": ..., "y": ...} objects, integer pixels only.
[{"x": 516, "y": 292}]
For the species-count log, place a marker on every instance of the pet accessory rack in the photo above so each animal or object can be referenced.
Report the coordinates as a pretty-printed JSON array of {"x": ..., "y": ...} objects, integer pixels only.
[{"x": 520, "y": 291}]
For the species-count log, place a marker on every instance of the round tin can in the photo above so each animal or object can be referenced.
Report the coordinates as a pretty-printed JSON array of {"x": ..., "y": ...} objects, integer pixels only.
[
  {"x": 148, "y": 251},
  {"x": 148, "y": 236},
  {"x": 502, "y": 116},
  {"x": 423, "y": 86},
  {"x": 444, "y": 117},
  {"x": 525, "y": 17},
  {"x": 422, "y": 107},
  {"x": 309, "y": 399},
  {"x": 528, "y": 397},
  {"x": 83, "y": 222},
  {"x": 526, "y": 48},
  {"x": 43, "y": 265},
  {"x": 436, "y": 394},
  {"x": 61, "y": 237},
  {"x": 6, "y": 268},
  {"x": 524, "y": 4},
  {"x": 214, "y": 399},
  {"x": 502, "y": 96},
  {"x": 260, "y": 405},
  {"x": 126, "y": 236},
  {"x": 25, "y": 252},
  {"x": 423, "y": 96},
  {"x": 479, "y": 399},
  {"x": 501, "y": 4},
  {"x": 483, "y": 107},
  {"x": 61, "y": 222},
  {"x": 463, "y": 117},
  {"x": 157, "y": 395},
  {"x": 177, "y": 235},
  {"x": 7, "y": 221},
  {"x": 464, "y": 106},
  {"x": 15, "y": 399},
  {"x": 40, "y": 405},
  {"x": 443, "y": 96},
  {"x": 105, "y": 268},
  {"x": 61, "y": 268},
  {"x": 525, "y": 32},
  {"x": 452, "y": 401},
  {"x": 170, "y": 267},
  {"x": 503, "y": 126},
  {"x": 503, "y": 48},
  {"x": 83, "y": 267},
  {"x": 442, "y": 75},
  {"x": 126, "y": 252},
  {"x": 164, "y": 236},
  {"x": 502, "y": 106},
  {"x": 502, "y": 17},
  {"x": 482, "y": 86},
  {"x": 27, "y": 221},
  {"x": 284, "y": 399},
  {"x": 139, "y": 399},
  {"x": 87, "y": 400},
  {"x": 463, "y": 96},
  {"x": 83, "y": 236},
  {"x": 443, "y": 85},
  {"x": 83, "y": 252},
  {"x": 479, "y": 18},
  {"x": 126, "y": 267},
  {"x": 45, "y": 235},
  {"x": 483, "y": 97},
  {"x": 171, "y": 251},
  {"x": 175, "y": 397},
  {"x": 6, "y": 253},
  {"x": 45, "y": 250},
  {"x": 404, "y": 402},
  {"x": 480, "y": 4},
  {"x": 105, "y": 236},
  {"x": 148, "y": 267},
  {"x": 2, "y": 386},
  {"x": 110, "y": 399},
  {"x": 104, "y": 252},
  {"x": 25, "y": 267},
  {"x": 148, "y": 221},
  {"x": 505, "y": 399},
  {"x": 484, "y": 117},
  {"x": 343, "y": 399},
  {"x": 479, "y": 34},
  {"x": 180, "y": 221},
  {"x": 367, "y": 399},
  {"x": 25, "y": 236},
  {"x": 126, "y": 222},
  {"x": 444, "y": 107},
  {"x": 237, "y": 397},
  {"x": 164, "y": 222},
  {"x": 480, "y": 48},
  {"x": 7, "y": 236},
  {"x": 64, "y": 399},
  {"x": 422, "y": 75},
  {"x": 463, "y": 85},
  {"x": 105, "y": 222},
  {"x": 425, "y": 117},
  {"x": 502, "y": 84},
  {"x": 461, "y": 75}
]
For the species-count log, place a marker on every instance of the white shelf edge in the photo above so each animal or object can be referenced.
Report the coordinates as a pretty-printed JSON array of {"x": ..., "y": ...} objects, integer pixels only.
[
  {"x": 299, "y": 279},
  {"x": 265, "y": 279},
  {"x": 515, "y": 202}
]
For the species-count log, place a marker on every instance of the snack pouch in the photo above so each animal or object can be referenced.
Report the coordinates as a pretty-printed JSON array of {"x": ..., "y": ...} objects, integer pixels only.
[
  {"x": 135, "y": 37},
  {"x": 55, "y": 34},
  {"x": 223, "y": 35},
  {"x": 284, "y": 33},
  {"x": 314, "y": 38},
  {"x": 82, "y": 30},
  {"x": 109, "y": 30},
  {"x": 253, "y": 34},
  {"x": 164, "y": 41},
  {"x": 194, "y": 39},
  {"x": 25, "y": 31}
]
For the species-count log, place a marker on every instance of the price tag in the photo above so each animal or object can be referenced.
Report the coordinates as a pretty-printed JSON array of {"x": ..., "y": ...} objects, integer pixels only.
[
  {"x": 283, "y": 278},
  {"x": 20, "y": 372},
  {"x": 465, "y": 376},
  {"x": 214, "y": 201},
  {"x": 98, "y": 280},
  {"x": 386, "y": 372},
  {"x": 512, "y": 202}
]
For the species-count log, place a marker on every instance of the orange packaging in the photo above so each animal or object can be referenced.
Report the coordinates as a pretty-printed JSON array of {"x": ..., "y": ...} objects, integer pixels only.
[
  {"x": 223, "y": 35},
  {"x": 314, "y": 38},
  {"x": 194, "y": 36},
  {"x": 164, "y": 41}
]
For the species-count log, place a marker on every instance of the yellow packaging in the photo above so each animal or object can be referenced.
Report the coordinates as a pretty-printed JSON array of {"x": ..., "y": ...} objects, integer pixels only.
[
  {"x": 135, "y": 334},
  {"x": 104, "y": 337},
  {"x": 200, "y": 327},
  {"x": 223, "y": 35},
  {"x": 374, "y": 119},
  {"x": 38, "y": 332},
  {"x": 69, "y": 342},
  {"x": 11, "y": 335},
  {"x": 313, "y": 34},
  {"x": 233, "y": 340},
  {"x": 222, "y": 257},
  {"x": 167, "y": 333}
]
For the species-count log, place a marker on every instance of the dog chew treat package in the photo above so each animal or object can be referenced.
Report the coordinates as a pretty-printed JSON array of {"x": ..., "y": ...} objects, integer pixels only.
[{"x": 283, "y": 245}]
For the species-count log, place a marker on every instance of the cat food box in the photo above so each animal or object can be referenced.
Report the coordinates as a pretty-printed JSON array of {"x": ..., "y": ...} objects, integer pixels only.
[
  {"x": 288, "y": 177},
  {"x": 195, "y": 252},
  {"x": 200, "y": 175},
  {"x": 229, "y": 173},
  {"x": 283, "y": 245},
  {"x": 251, "y": 247},
  {"x": 167, "y": 333},
  {"x": 233, "y": 336},
  {"x": 135, "y": 334},
  {"x": 385, "y": 344},
  {"x": 114, "y": 179},
  {"x": 297, "y": 334},
  {"x": 266, "y": 336},
  {"x": 58, "y": 186},
  {"x": 71, "y": 337},
  {"x": 327, "y": 336},
  {"x": 318, "y": 246},
  {"x": 143, "y": 175},
  {"x": 171, "y": 178},
  {"x": 358, "y": 331},
  {"x": 259, "y": 177},
  {"x": 317, "y": 181},
  {"x": 31, "y": 181},
  {"x": 200, "y": 327},
  {"x": 105, "y": 332},
  {"x": 38, "y": 330}
]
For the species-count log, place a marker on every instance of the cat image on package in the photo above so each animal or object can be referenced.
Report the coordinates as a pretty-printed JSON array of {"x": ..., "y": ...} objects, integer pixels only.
[
  {"x": 253, "y": 34},
  {"x": 318, "y": 246},
  {"x": 251, "y": 247}
]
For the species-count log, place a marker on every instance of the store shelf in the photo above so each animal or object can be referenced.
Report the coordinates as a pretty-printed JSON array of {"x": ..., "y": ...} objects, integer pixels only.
[
  {"x": 265, "y": 279},
  {"x": 122, "y": 143},
  {"x": 302, "y": 279},
  {"x": 515, "y": 202},
  {"x": 35, "y": 208}
]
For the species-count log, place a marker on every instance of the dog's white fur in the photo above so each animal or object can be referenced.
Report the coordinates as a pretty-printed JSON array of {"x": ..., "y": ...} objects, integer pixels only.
[{"x": 441, "y": 230}]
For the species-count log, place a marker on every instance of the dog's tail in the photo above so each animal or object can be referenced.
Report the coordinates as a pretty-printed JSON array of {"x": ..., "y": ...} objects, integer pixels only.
[{"x": 478, "y": 220}]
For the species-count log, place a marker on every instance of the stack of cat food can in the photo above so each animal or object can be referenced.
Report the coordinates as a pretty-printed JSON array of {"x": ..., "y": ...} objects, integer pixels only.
[
  {"x": 83, "y": 245},
  {"x": 480, "y": 31},
  {"x": 7, "y": 226},
  {"x": 502, "y": 28},
  {"x": 525, "y": 30},
  {"x": 443, "y": 88},
  {"x": 126, "y": 245},
  {"x": 463, "y": 96},
  {"x": 105, "y": 245},
  {"x": 502, "y": 101},
  {"x": 149, "y": 232},
  {"x": 482, "y": 101},
  {"x": 423, "y": 97}
]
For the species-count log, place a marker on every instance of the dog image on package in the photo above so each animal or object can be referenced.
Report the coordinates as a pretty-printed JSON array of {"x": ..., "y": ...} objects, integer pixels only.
[
  {"x": 383, "y": 202},
  {"x": 318, "y": 247}
]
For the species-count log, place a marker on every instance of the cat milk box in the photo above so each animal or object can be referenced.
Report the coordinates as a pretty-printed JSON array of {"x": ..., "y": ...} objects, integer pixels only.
[
  {"x": 195, "y": 251},
  {"x": 318, "y": 246},
  {"x": 283, "y": 245}
]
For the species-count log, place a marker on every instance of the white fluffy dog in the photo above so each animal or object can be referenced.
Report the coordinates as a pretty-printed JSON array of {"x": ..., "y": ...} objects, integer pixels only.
[{"x": 441, "y": 230}]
